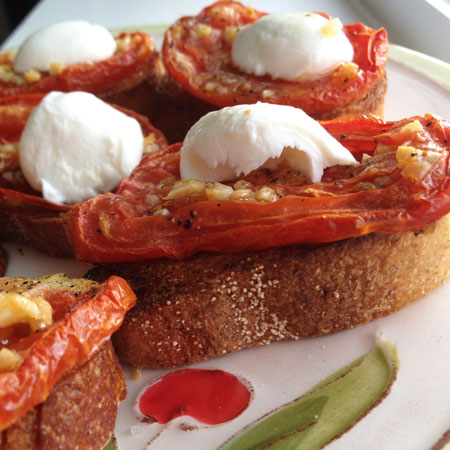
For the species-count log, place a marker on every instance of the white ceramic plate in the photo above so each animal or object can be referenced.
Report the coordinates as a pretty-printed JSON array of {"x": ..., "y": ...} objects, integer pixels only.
[{"x": 413, "y": 416}]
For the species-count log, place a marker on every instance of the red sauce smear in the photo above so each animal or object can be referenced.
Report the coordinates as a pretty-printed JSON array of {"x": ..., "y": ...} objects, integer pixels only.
[{"x": 209, "y": 396}]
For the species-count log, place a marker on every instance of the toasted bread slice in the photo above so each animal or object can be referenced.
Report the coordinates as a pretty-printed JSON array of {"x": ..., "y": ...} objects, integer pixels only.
[
  {"x": 64, "y": 387},
  {"x": 80, "y": 411},
  {"x": 25, "y": 217},
  {"x": 174, "y": 110},
  {"x": 212, "y": 304},
  {"x": 170, "y": 108},
  {"x": 35, "y": 226},
  {"x": 204, "y": 63}
]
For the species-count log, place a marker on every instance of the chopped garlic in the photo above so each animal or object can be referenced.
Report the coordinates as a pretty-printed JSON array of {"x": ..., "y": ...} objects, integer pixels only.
[
  {"x": 202, "y": 31},
  {"x": 210, "y": 86},
  {"x": 242, "y": 184},
  {"x": 331, "y": 28},
  {"x": 32, "y": 76},
  {"x": 242, "y": 194},
  {"x": 412, "y": 127},
  {"x": 218, "y": 191},
  {"x": 250, "y": 11},
  {"x": 266, "y": 93},
  {"x": 23, "y": 308},
  {"x": 185, "y": 188},
  {"x": 150, "y": 144},
  {"x": 229, "y": 34},
  {"x": 161, "y": 212},
  {"x": 9, "y": 359},
  {"x": 345, "y": 72},
  {"x": 6, "y": 152},
  {"x": 416, "y": 163},
  {"x": 7, "y": 75},
  {"x": 56, "y": 68},
  {"x": 123, "y": 43},
  {"x": 266, "y": 194}
]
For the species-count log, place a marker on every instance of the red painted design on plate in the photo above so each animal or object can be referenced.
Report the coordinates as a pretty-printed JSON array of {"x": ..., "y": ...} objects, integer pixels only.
[{"x": 209, "y": 396}]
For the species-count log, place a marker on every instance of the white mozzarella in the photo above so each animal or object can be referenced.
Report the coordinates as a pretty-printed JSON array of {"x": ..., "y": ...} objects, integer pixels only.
[
  {"x": 291, "y": 46},
  {"x": 75, "y": 146},
  {"x": 66, "y": 43},
  {"x": 233, "y": 141}
]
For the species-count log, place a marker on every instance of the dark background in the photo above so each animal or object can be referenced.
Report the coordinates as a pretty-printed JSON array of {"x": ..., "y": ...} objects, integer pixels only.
[{"x": 11, "y": 14}]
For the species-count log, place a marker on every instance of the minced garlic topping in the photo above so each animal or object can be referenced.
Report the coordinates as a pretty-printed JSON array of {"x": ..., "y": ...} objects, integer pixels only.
[
  {"x": 416, "y": 163},
  {"x": 23, "y": 308},
  {"x": 9, "y": 359},
  {"x": 412, "y": 127}
]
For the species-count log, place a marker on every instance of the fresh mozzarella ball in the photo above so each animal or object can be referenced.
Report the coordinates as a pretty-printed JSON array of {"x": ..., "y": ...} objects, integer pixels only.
[
  {"x": 75, "y": 146},
  {"x": 224, "y": 144},
  {"x": 66, "y": 43},
  {"x": 291, "y": 46}
]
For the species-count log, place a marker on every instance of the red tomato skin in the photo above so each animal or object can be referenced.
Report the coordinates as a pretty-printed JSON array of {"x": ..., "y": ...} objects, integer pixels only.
[
  {"x": 349, "y": 202},
  {"x": 60, "y": 347},
  {"x": 14, "y": 113},
  {"x": 192, "y": 64},
  {"x": 96, "y": 78}
]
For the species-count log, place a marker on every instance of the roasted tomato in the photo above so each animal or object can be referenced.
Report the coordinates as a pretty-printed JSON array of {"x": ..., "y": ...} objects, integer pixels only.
[
  {"x": 401, "y": 184},
  {"x": 14, "y": 112},
  {"x": 135, "y": 52},
  {"x": 197, "y": 53},
  {"x": 85, "y": 314}
]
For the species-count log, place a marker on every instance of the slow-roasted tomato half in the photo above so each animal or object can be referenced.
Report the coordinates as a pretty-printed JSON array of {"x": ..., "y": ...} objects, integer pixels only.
[
  {"x": 14, "y": 113},
  {"x": 134, "y": 55},
  {"x": 201, "y": 62},
  {"x": 85, "y": 314},
  {"x": 402, "y": 183}
]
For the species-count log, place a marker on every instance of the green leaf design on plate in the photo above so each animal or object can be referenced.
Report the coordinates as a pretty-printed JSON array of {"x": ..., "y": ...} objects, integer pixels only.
[
  {"x": 293, "y": 418},
  {"x": 328, "y": 409},
  {"x": 112, "y": 444}
]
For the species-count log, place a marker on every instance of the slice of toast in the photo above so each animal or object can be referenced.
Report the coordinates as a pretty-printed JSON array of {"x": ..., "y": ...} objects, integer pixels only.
[
  {"x": 212, "y": 304},
  {"x": 174, "y": 110},
  {"x": 65, "y": 388},
  {"x": 170, "y": 108},
  {"x": 35, "y": 226},
  {"x": 79, "y": 412},
  {"x": 204, "y": 64},
  {"x": 25, "y": 217}
]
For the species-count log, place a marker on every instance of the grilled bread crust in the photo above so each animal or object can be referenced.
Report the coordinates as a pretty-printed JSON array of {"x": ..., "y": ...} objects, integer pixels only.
[
  {"x": 41, "y": 228},
  {"x": 212, "y": 304},
  {"x": 80, "y": 411}
]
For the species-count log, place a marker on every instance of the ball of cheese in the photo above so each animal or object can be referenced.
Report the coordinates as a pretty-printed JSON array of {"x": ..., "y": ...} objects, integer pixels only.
[
  {"x": 75, "y": 146},
  {"x": 67, "y": 43},
  {"x": 224, "y": 144},
  {"x": 291, "y": 46}
]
